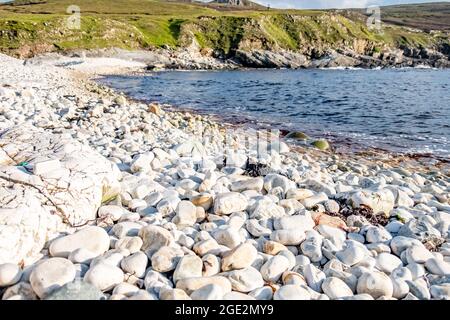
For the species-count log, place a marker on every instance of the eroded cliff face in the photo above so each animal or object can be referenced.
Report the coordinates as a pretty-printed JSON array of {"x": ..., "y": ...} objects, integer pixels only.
[
  {"x": 295, "y": 41},
  {"x": 259, "y": 40}
]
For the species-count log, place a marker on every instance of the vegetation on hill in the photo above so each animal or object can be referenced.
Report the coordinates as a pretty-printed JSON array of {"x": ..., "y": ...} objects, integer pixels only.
[{"x": 28, "y": 27}]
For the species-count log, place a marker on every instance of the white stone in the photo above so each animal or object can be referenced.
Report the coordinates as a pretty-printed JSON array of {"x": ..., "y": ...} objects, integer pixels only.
[
  {"x": 50, "y": 275},
  {"x": 387, "y": 262},
  {"x": 290, "y": 237},
  {"x": 272, "y": 270},
  {"x": 91, "y": 238},
  {"x": 292, "y": 292},
  {"x": 245, "y": 280},
  {"x": 191, "y": 284},
  {"x": 166, "y": 258},
  {"x": 154, "y": 237},
  {"x": 438, "y": 267},
  {"x": 43, "y": 167},
  {"x": 335, "y": 288},
  {"x": 240, "y": 257},
  {"x": 377, "y": 284},
  {"x": 186, "y": 214},
  {"x": 135, "y": 264},
  {"x": 227, "y": 203},
  {"x": 104, "y": 276},
  {"x": 209, "y": 292},
  {"x": 189, "y": 266},
  {"x": 314, "y": 277},
  {"x": 10, "y": 274}
]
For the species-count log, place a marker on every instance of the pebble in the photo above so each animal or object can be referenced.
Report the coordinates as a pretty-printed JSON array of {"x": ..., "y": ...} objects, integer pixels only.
[
  {"x": 387, "y": 262},
  {"x": 10, "y": 274},
  {"x": 438, "y": 267},
  {"x": 245, "y": 280},
  {"x": 335, "y": 288},
  {"x": 209, "y": 292},
  {"x": 272, "y": 270},
  {"x": 189, "y": 266},
  {"x": 77, "y": 290},
  {"x": 93, "y": 239},
  {"x": 50, "y": 275},
  {"x": 135, "y": 264},
  {"x": 166, "y": 259},
  {"x": 229, "y": 202},
  {"x": 242, "y": 256},
  {"x": 292, "y": 292},
  {"x": 154, "y": 237},
  {"x": 375, "y": 283},
  {"x": 104, "y": 276},
  {"x": 191, "y": 284}
]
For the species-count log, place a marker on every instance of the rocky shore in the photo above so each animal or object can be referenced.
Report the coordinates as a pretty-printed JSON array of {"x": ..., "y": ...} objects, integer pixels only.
[
  {"x": 102, "y": 197},
  {"x": 193, "y": 58}
]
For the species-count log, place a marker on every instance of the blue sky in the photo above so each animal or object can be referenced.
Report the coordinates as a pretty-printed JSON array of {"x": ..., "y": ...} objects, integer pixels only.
[{"x": 319, "y": 4}]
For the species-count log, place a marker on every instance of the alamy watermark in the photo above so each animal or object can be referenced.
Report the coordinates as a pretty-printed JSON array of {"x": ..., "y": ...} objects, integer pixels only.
[
  {"x": 73, "y": 21},
  {"x": 374, "y": 19}
]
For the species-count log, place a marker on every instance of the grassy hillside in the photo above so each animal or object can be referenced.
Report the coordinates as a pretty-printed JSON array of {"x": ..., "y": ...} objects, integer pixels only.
[{"x": 28, "y": 28}]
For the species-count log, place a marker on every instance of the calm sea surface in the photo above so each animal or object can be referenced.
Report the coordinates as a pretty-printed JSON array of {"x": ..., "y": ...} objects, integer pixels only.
[{"x": 403, "y": 110}]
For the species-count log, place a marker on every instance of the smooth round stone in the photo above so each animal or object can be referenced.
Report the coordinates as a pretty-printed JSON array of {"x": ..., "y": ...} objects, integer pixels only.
[
  {"x": 93, "y": 239},
  {"x": 312, "y": 247},
  {"x": 440, "y": 292},
  {"x": 351, "y": 255},
  {"x": 263, "y": 293},
  {"x": 228, "y": 237},
  {"x": 10, "y": 274},
  {"x": 81, "y": 255},
  {"x": 135, "y": 264},
  {"x": 292, "y": 292},
  {"x": 110, "y": 211},
  {"x": 126, "y": 289},
  {"x": 401, "y": 273},
  {"x": 154, "y": 237},
  {"x": 401, "y": 288},
  {"x": 233, "y": 295},
  {"x": 173, "y": 294},
  {"x": 229, "y": 202},
  {"x": 77, "y": 290},
  {"x": 240, "y": 257},
  {"x": 272, "y": 270},
  {"x": 288, "y": 237},
  {"x": 245, "y": 280},
  {"x": 166, "y": 259},
  {"x": 19, "y": 291},
  {"x": 189, "y": 266},
  {"x": 209, "y": 292},
  {"x": 375, "y": 283},
  {"x": 191, "y": 284},
  {"x": 387, "y": 262},
  {"x": 335, "y": 235},
  {"x": 314, "y": 277},
  {"x": 335, "y": 288},
  {"x": 296, "y": 222},
  {"x": 400, "y": 243},
  {"x": 417, "y": 254},
  {"x": 186, "y": 214},
  {"x": 437, "y": 267},
  {"x": 419, "y": 289},
  {"x": 132, "y": 244},
  {"x": 211, "y": 265},
  {"x": 50, "y": 275},
  {"x": 377, "y": 234},
  {"x": 104, "y": 276},
  {"x": 143, "y": 295},
  {"x": 417, "y": 270}
]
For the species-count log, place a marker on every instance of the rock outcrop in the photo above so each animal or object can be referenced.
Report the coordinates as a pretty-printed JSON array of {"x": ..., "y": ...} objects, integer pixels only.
[{"x": 48, "y": 183}]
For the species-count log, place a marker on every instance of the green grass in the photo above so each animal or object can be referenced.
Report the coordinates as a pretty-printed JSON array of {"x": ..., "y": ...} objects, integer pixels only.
[{"x": 134, "y": 24}]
